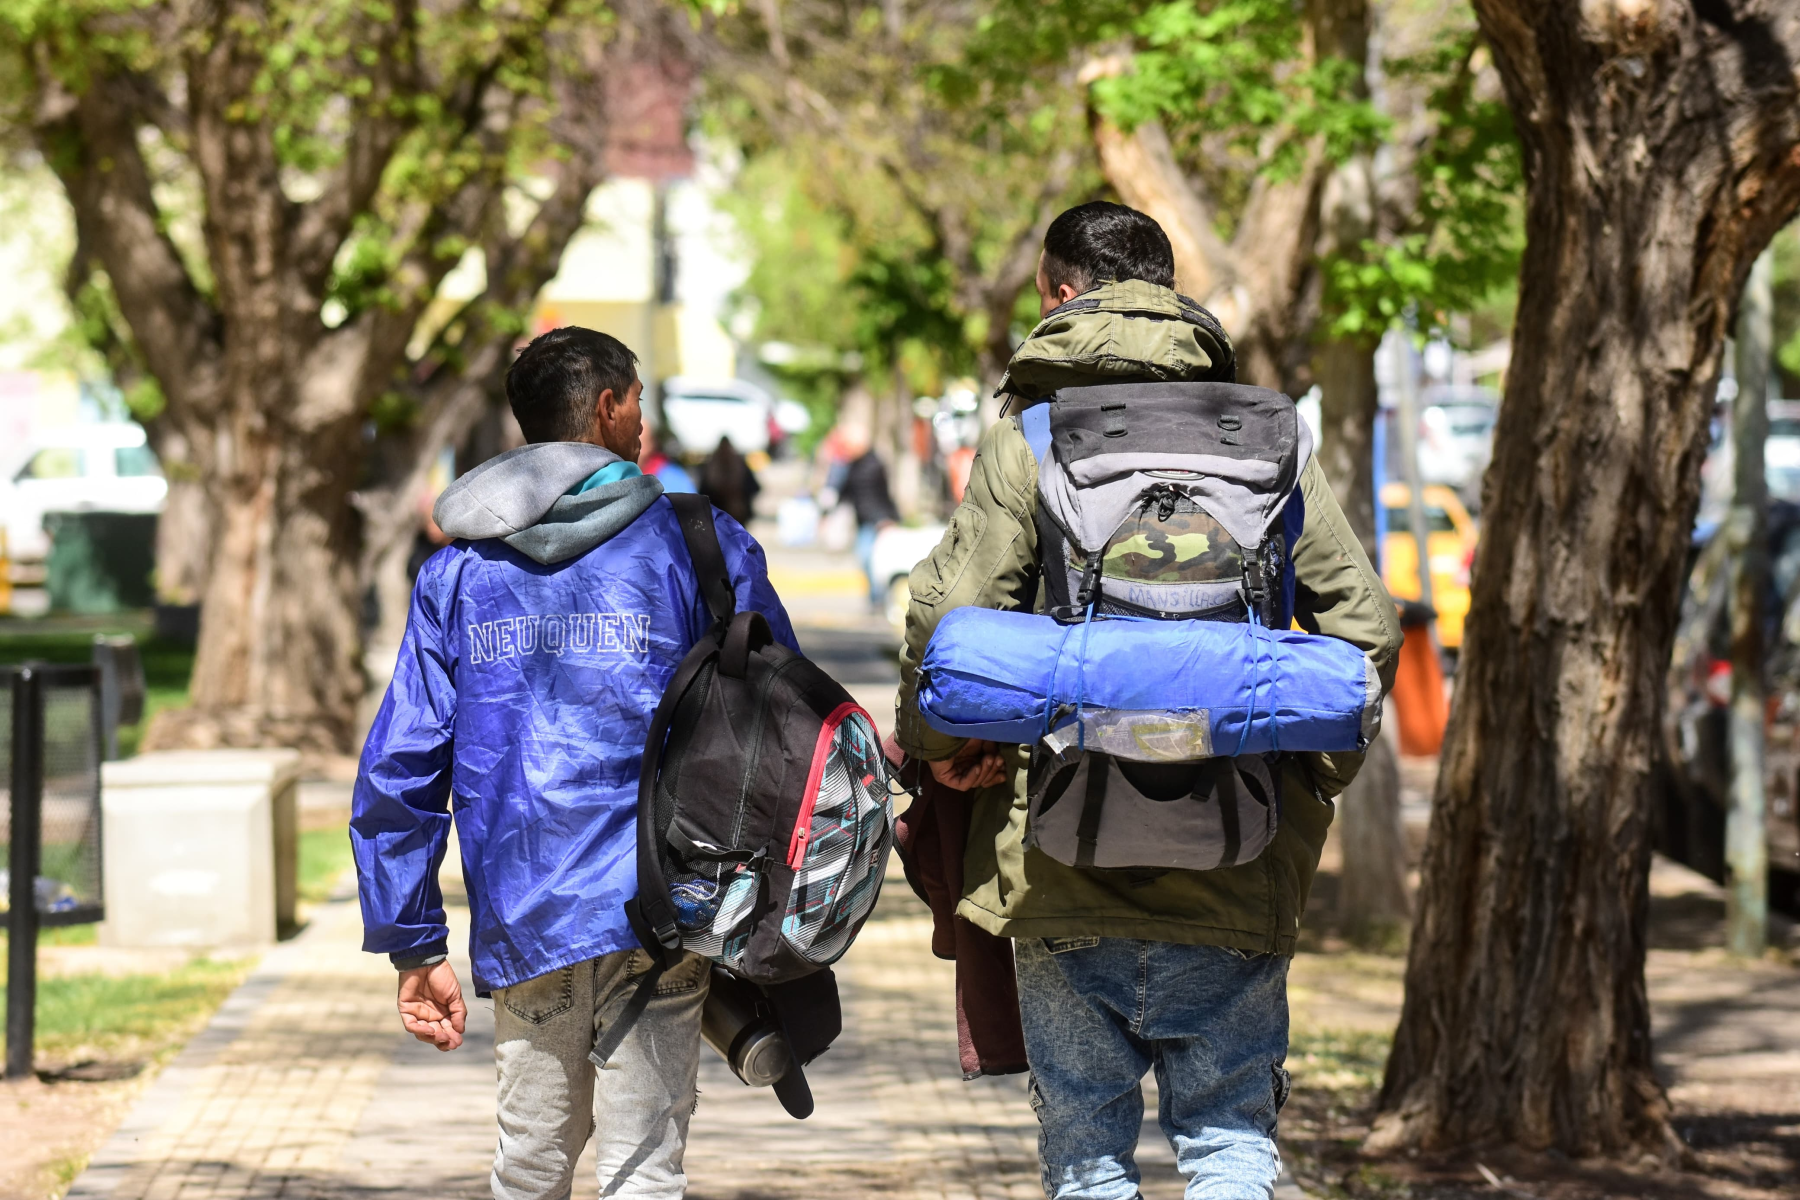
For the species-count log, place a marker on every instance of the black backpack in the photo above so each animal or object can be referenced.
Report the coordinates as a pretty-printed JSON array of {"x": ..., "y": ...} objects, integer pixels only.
[{"x": 764, "y": 813}]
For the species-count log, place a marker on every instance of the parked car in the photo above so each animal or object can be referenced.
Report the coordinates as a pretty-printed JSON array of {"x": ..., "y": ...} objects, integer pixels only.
[
  {"x": 1781, "y": 452},
  {"x": 899, "y": 548},
  {"x": 697, "y": 413},
  {"x": 99, "y": 467},
  {"x": 1450, "y": 540},
  {"x": 1694, "y": 778},
  {"x": 1456, "y": 434}
]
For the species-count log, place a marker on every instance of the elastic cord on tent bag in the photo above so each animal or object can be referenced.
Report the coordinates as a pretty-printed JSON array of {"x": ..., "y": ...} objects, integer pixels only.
[
  {"x": 1050, "y": 705},
  {"x": 1081, "y": 680},
  {"x": 1258, "y": 639}
]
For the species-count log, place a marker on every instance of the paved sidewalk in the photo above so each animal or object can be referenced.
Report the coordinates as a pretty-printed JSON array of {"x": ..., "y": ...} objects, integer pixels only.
[{"x": 304, "y": 1086}]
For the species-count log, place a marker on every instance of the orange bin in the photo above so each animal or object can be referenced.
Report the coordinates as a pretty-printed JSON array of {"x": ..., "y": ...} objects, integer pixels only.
[{"x": 1419, "y": 699}]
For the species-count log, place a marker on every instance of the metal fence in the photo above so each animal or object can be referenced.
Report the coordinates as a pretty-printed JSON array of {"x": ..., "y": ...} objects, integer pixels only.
[{"x": 51, "y": 745}]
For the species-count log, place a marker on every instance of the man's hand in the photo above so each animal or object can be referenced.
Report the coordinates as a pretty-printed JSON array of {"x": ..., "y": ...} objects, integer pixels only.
[
  {"x": 977, "y": 765},
  {"x": 431, "y": 1005}
]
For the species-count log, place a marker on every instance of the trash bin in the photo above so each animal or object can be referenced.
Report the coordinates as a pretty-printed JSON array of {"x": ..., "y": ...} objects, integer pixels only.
[
  {"x": 100, "y": 562},
  {"x": 121, "y": 686}
]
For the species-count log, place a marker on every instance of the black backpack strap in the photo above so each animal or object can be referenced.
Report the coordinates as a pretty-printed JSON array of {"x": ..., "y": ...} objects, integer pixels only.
[
  {"x": 1053, "y": 562},
  {"x": 613, "y": 1034},
  {"x": 651, "y": 912},
  {"x": 747, "y": 632},
  {"x": 695, "y": 513},
  {"x": 1087, "y": 831}
]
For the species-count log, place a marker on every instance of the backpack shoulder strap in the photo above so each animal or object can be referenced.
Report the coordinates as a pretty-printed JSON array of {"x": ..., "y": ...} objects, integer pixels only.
[
  {"x": 650, "y": 913},
  {"x": 1034, "y": 422},
  {"x": 695, "y": 513}
]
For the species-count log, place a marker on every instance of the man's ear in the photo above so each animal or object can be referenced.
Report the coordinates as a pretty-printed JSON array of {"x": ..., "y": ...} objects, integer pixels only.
[{"x": 605, "y": 404}]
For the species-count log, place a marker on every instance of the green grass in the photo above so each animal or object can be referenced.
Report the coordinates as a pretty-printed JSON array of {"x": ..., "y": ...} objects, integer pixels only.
[
  {"x": 68, "y": 935},
  {"x": 91, "y": 1015},
  {"x": 130, "y": 1016},
  {"x": 324, "y": 857},
  {"x": 1338, "y": 1060},
  {"x": 167, "y": 665}
]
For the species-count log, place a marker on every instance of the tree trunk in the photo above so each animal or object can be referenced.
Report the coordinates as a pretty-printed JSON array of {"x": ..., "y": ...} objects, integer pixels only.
[
  {"x": 1372, "y": 901},
  {"x": 1141, "y": 167},
  {"x": 278, "y": 659},
  {"x": 184, "y": 530},
  {"x": 1345, "y": 373},
  {"x": 1662, "y": 152},
  {"x": 1263, "y": 287}
]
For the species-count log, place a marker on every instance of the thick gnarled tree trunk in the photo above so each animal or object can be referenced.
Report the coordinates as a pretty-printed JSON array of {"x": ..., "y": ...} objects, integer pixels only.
[
  {"x": 278, "y": 658},
  {"x": 266, "y": 392},
  {"x": 1662, "y": 149}
]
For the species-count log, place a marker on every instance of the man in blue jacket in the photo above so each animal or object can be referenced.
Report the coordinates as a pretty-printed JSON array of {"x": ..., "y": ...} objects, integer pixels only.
[{"x": 538, "y": 646}]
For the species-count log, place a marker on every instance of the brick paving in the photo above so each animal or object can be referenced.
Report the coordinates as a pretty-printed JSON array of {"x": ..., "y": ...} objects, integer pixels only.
[{"x": 304, "y": 1086}]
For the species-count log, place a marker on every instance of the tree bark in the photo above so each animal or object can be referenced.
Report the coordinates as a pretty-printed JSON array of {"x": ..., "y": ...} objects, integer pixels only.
[
  {"x": 278, "y": 660},
  {"x": 1662, "y": 150},
  {"x": 1372, "y": 904},
  {"x": 1141, "y": 167},
  {"x": 269, "y": 402},
  {"x": 1344, "y": 370},
  {"x": 184, "y": 529}
]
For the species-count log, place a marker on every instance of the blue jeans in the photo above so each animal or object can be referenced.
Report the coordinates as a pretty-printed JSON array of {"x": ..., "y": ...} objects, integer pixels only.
[
  {"x": 865, "y": 556},
  {"x": 1099, "y": 1012}
]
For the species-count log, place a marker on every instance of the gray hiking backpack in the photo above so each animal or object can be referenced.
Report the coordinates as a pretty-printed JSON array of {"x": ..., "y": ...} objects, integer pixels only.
[{"x": 1161, "y": 501}]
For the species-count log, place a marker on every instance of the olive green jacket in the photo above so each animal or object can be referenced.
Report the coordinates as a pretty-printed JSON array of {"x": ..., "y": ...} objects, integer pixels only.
[{"x": 988, "y": 557}]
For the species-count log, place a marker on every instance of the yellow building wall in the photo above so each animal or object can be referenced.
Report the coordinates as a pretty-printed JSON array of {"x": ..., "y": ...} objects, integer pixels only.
[{"x": 668, "y": 339}]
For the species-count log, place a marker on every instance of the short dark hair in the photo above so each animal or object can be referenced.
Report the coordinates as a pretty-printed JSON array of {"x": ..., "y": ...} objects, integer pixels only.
[
  {"x": 553, "y": 384},
  {"x": 1100, "y": 242}
]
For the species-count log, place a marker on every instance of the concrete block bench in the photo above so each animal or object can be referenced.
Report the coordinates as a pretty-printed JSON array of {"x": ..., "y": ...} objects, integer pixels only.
[{"x": 200, "y": 847}]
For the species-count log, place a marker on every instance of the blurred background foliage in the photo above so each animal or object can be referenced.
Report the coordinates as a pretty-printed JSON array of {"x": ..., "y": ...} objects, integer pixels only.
[{"x": 873, "y": 143}]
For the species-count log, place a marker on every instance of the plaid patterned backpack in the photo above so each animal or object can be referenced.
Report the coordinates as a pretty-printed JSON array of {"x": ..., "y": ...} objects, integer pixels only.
[{"x": 764, "y": 814}]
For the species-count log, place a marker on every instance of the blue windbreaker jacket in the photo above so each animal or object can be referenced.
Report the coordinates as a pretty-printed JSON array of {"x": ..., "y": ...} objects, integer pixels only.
[{"x": 520, "y": 704}]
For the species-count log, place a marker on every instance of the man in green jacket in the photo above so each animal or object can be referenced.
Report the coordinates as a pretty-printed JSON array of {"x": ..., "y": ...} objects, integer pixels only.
[{"x": 1118, "y": 971}]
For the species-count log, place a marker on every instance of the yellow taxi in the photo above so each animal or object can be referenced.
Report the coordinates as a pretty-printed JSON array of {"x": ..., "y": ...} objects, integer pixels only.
[{"x": 1450, "y": 543}]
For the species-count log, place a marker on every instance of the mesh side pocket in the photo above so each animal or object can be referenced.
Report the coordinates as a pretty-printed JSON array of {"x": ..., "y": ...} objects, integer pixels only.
[{"x": 837, "y": 881}]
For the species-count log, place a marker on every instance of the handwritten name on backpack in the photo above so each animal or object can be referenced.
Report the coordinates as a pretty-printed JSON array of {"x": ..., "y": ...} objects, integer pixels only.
[{"x": 559, "y": 634}]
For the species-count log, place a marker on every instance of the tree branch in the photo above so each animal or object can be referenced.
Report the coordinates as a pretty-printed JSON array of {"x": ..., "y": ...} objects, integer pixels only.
[
  {"x": 455, "y": 396},
  {"x": 91, "y": 143},
  {"x": 378, "y": 126},
  {"x": 1141, "y": 167}
]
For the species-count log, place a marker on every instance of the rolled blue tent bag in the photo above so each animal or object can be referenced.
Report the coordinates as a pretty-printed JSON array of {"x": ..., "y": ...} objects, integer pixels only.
[{"x": 1168, "y": 691}]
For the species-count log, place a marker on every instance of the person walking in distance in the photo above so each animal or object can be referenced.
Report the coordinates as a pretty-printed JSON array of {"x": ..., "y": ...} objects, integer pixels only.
[
  {"x": 729, "y": 482},
  {"x": 1131, "y": 477},
  {"x": 861, "y": 481},
  {"x": 538, "y": 646}
]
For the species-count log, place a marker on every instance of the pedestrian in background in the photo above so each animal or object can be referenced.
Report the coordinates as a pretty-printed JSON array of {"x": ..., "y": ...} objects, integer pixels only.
[
  {"x": 652, "y": 461},
  {"x": 860, "y": 480},
  {"x": 729, "y": 482}
]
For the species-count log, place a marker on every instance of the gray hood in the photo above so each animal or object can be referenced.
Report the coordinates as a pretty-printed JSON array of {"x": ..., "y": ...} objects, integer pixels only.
[{"x": 521, "y": 498}]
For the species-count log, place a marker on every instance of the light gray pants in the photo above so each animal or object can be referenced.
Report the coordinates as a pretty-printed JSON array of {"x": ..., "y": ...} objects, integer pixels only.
[{"x": 549, "y": 1100}]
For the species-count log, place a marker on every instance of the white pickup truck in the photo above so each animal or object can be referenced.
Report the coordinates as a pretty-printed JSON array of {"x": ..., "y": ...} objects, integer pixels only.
[{"x": 102, "y": 466}]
